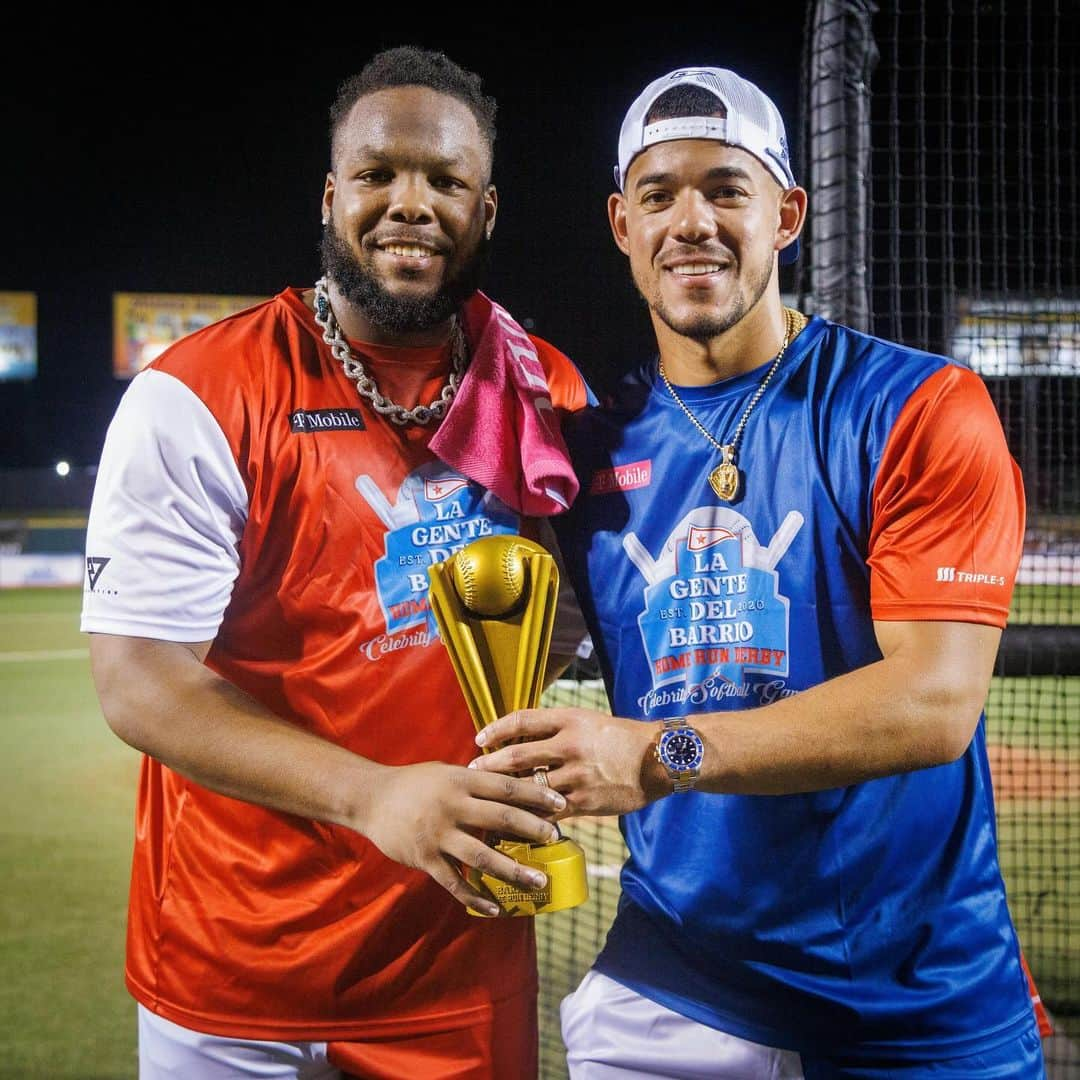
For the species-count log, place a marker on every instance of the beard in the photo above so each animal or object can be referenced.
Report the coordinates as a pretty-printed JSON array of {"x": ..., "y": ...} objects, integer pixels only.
[
  {"x": 703, "y": 326},
  {"x": 399, "y": 314}
]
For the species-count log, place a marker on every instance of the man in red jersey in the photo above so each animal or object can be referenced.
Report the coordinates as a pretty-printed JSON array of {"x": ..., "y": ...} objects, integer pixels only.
[{"x": 271, "y": 493}]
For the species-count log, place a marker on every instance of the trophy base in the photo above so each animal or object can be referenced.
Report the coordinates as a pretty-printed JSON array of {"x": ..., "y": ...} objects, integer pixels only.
[{"x": 563, "y": 861}]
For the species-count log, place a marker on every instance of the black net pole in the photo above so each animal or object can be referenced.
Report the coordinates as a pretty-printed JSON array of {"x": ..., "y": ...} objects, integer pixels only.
[{"x": 842, "y": 56}]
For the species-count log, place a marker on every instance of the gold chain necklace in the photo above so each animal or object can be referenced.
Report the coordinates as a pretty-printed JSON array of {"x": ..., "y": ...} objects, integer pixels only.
[{"x": 725, "y": 477}]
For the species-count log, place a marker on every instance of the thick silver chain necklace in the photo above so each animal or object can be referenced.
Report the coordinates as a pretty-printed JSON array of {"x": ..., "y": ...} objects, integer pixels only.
[
  {"x": 724, "y": 479},
  {"x": 365, "y": 384}
]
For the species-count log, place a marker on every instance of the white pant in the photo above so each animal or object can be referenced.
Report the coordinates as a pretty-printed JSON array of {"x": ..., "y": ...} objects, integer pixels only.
[
  {"x": 613, "y": 1033},
  {"x": 168, "y": 1051}
]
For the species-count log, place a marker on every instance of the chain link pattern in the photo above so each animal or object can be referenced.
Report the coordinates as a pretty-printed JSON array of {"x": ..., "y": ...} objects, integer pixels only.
[{"x": 365, "y": 384}]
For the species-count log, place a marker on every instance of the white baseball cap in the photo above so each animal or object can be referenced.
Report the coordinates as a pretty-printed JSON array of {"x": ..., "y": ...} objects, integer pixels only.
[{"x": 753, "y": 123}]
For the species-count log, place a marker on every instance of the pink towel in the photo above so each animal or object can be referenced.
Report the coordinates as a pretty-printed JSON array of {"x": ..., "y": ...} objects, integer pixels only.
[{"x": 501, "y": 429}]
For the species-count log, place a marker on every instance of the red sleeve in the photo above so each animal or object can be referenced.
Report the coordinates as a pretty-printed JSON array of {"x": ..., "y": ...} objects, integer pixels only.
[
  {"x": 1042, "y": 1017},
  {"x": 569, "y": 391},
  {"x": 948, "y": 508}
]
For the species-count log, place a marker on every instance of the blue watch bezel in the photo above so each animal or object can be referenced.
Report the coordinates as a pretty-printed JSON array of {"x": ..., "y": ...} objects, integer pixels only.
[{"x": 662, "y": 749}]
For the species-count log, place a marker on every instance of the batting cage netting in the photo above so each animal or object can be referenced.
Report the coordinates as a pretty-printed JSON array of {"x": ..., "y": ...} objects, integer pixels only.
[{"x": 938, "y": 142}]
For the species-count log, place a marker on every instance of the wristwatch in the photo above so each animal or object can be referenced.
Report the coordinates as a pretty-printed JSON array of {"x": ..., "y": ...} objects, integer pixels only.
[{"x": 679, "y": 749}]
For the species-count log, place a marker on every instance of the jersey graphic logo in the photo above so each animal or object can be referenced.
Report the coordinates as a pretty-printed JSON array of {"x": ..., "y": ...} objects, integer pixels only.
[
  {"x": 436, "y": 514},
  {"x": 714, "y": 625},
  {"x": 700, "y": 539},
  {"x": 307, "y": 421},
  {"x": 438, "y": 490},
  {"x": 94, "y": 565},
  {"x": 637, "y": 474}
]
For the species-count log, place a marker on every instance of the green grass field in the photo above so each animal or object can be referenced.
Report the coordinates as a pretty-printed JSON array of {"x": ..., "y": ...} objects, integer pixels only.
[
  {"x": 67, "y": 790},
  {"x": 66, "y": 803}
]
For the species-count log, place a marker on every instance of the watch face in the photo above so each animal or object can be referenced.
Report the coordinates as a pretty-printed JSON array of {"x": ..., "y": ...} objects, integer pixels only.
[{"x": 681, "y": 749}]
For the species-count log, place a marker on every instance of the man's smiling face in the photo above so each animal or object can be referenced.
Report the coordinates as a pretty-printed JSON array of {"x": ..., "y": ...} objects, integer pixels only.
[
  {"x": 409, "y": 204},
  {"x": 698, "y": 220}
]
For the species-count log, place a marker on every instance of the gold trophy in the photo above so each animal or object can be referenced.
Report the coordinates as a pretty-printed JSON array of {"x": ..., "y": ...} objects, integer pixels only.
[{"x": 494, "y": 603}]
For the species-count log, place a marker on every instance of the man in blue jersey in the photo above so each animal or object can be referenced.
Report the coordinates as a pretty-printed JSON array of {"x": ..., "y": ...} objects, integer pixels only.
[{"x": 795, "y": 547}]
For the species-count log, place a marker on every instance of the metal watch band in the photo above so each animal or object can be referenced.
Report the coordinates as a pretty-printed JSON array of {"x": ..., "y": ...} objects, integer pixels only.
[{"x": 685, "y": 782}]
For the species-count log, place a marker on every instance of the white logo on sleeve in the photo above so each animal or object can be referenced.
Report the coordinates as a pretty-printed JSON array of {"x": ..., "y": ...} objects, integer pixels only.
[{"x": 966, "y": 577}]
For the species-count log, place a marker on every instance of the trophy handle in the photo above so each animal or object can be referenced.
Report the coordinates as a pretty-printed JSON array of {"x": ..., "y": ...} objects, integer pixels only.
[
  {"x": 537, "y": 624},
  {"x": 464, "y": 655}
]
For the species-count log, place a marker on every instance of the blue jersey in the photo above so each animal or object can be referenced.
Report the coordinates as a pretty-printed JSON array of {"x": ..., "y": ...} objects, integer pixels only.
[{"x": 876, "y": 485}]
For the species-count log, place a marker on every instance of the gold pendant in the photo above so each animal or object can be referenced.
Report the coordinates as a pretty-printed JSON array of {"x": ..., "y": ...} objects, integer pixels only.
[
  {"x": 725, "y": 477},
  {"x": 725, "y": 481}
]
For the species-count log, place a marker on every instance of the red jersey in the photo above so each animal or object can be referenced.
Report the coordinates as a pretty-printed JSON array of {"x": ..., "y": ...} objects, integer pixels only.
[{"x": 247, "y": 494}]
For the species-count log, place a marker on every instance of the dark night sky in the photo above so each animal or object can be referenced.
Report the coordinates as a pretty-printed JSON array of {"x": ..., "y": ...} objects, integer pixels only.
[{"x": 181, "y": 163}]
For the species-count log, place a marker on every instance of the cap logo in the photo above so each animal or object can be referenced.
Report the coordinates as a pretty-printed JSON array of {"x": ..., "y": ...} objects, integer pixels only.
[{"x": 782, "y": 161}]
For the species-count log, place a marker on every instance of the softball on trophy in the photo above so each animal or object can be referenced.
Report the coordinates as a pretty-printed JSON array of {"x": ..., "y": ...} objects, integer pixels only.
[{"x": 489, "y": 577}]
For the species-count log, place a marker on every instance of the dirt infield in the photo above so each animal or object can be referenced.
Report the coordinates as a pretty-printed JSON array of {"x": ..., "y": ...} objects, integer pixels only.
[{"x": 1020, "y": 773}]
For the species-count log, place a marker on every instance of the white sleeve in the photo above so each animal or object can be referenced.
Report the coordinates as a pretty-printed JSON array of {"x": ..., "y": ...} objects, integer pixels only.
[
  {"x": 570, "y": 635},
  {"x": 167, "y": 514}
]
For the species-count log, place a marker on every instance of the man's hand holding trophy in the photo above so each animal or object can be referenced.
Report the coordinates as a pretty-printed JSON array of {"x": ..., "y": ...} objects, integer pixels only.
[{"x": 494, "y": 603}]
